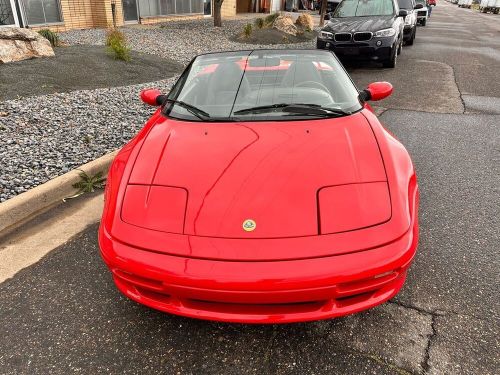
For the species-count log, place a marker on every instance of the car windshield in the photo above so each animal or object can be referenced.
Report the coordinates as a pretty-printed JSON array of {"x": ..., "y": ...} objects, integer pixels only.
[
  {"x": 423, "y": 2},
  {"x": 262, "y": 85},
  {"x": 405, "y": 4},
  {"x": 364, "y": 8}
]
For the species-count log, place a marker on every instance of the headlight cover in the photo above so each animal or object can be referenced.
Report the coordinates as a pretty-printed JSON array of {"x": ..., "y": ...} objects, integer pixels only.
[
  {"x": 385, "y": 33},
  {"x": 325, "y": 35},
  {"x": 160, "y": 208},
  {"x": 353, "y": 206}
]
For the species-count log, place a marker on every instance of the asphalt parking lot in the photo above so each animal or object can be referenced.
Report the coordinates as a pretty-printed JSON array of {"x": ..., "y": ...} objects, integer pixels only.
[{"x": 63, "y": 314}]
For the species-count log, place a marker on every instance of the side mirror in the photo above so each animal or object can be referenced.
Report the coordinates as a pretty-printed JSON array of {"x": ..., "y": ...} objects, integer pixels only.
[
  {"x": 419, "y": 6},
  {"x": 153, "y": 97},
  {"x": 327, "y": 17},
  {"x": 403, "y": 13},
  {"x": 376, "y": 91}
]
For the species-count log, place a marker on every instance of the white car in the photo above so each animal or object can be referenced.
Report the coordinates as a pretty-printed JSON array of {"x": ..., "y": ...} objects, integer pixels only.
[{"x": 422, "y": 13}]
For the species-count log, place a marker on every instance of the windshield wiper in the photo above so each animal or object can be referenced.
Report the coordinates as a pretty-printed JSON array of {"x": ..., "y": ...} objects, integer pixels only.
[
  {"x": 300, "y": 108},
  {"x": 200, "y": 113},
  {"x": 315, "y": 109},
  {"x": 262, "y": 108}
]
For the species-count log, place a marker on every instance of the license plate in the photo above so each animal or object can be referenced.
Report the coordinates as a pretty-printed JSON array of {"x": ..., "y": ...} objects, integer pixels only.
[{"x": 351, "y": 51}]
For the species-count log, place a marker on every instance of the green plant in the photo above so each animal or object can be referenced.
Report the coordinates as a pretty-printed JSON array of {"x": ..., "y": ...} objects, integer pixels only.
[
  {"x": 51, "y": 36},
  {"x": 117, "y": 45},
  {"x": 247, "y": 30},
  {"x": 269, "y": 20},
  {"x": 87, "y": 139},
  {"x": 259, "y": 23},
  {"x": 88, "y": 184}
]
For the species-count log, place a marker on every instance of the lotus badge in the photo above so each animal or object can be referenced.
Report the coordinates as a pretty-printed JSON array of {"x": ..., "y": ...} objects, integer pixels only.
[{"x": 249, "y": 225}]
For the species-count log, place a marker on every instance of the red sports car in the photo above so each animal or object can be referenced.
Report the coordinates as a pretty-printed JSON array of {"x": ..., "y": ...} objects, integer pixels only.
[{"x": 262, "y": 190}]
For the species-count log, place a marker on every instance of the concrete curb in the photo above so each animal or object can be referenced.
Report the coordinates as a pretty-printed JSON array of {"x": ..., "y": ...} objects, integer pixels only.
[{"x": 25, "y": 206}]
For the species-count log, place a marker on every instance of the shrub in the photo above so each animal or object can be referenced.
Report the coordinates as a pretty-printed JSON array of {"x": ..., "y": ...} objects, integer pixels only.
[
  {"x": 51, "y": 36},
  {"x": 247, "y": 30},
  {"x": 259, "y": 22},
  {"x": 117, "y": 45},
  {"x": 269, "y": 20}
]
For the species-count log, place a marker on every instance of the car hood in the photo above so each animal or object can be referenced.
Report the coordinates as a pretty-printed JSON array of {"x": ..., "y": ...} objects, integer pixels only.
[
  {"x": 351, "y": 24},
  {"x": 220, "y": 174}
]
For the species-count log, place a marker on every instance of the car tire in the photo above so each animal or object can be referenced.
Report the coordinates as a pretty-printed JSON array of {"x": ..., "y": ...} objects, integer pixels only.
[
  {"x": 424, "y": 21},
  {"x": 391, "y": 62},
  {"x": 412, "y": 39}
]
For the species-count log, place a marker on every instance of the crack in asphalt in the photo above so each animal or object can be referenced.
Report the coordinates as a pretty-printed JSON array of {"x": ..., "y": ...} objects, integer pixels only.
[
  {"x": 425, "y": 361},
  {"x": 458, "y": 88},
  {"x": 420, "y": 309},
  {"x": 424, "y": 364}
]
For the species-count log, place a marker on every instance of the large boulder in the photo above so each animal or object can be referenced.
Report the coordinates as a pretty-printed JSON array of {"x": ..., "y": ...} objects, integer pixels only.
[
  {"x": 18, "y": 44},
  {"x": 305, "y": 21},
  {"x": 285, "y": 24}
]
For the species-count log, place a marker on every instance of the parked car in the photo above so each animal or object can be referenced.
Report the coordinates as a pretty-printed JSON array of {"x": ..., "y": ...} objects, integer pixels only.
[
  {"x": 365, "y": 30},
  {"x": 464, "y": 3},
  {"x": 262, "y": 190},
  {"x": 331, "y": 5},
  {"x": 492, "y": 6},
  {"x": 410, "y": 26},
  {"x": 422, "y": 13}
]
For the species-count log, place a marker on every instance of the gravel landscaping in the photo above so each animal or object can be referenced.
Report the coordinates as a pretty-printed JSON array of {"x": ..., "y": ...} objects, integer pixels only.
[
  {"x": 45, "y": 136},
  {"x": 181, "y": 40}
]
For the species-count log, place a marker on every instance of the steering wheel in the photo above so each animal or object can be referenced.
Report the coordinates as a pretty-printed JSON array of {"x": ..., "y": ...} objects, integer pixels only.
[{"x": 313, "y": 84}]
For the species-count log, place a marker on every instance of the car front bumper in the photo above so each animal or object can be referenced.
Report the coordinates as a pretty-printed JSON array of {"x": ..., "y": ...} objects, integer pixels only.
[
  {"x": 368, "y": 50},
  {"x": 261, "y": 291}
]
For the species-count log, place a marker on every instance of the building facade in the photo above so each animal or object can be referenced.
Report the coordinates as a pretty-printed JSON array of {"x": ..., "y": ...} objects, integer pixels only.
[{"x": 61, "y": 15}]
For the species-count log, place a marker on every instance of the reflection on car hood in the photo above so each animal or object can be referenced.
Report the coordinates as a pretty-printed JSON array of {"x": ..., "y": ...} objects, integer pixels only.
[
  {"x": 350, "y": 24},
  {"x": 269, "y": 172}
]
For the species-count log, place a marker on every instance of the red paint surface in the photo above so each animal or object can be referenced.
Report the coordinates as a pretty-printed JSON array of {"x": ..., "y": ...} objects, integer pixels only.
[{"x": 350, "y": 254}]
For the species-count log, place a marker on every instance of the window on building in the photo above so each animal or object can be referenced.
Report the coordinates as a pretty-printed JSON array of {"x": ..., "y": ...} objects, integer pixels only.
[
  {"x": 151, "y": 8},
  {"x": 42, "y": 11},
  {"x": 6, "y": 13}
]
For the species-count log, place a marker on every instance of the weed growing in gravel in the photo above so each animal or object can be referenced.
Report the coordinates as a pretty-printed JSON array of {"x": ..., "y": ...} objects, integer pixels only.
[
  {"x": 247, "y": 30},
  {"x": 259, "y": 23},
  {"x": 87, "y": 139},
  {"x": 51, "y": 36},
  {"x": 117, "y": 45},
  {"x": 88, "y": 184}
]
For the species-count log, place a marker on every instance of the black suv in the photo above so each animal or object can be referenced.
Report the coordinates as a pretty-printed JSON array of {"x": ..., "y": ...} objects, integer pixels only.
[
  {"x": 410, "y": 29},
  {"x": 365, "y": 29}
]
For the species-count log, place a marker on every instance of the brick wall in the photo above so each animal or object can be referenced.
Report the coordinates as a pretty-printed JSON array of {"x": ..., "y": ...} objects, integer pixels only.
[
  {"x": 82, "y": 14},
  {"x": 228, "y": 8},
  {"x": 85, "y": 14}
]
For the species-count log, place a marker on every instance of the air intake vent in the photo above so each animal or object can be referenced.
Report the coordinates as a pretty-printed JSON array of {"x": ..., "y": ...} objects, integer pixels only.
[
  {"x": 362, "y": 36},
  {"x": 342, "y": 37}
]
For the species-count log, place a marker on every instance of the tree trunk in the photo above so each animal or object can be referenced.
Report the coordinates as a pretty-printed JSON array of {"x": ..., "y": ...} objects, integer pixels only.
[
  {"x": 217, "y": 13},
  {"x": 323, "y": 12}
]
